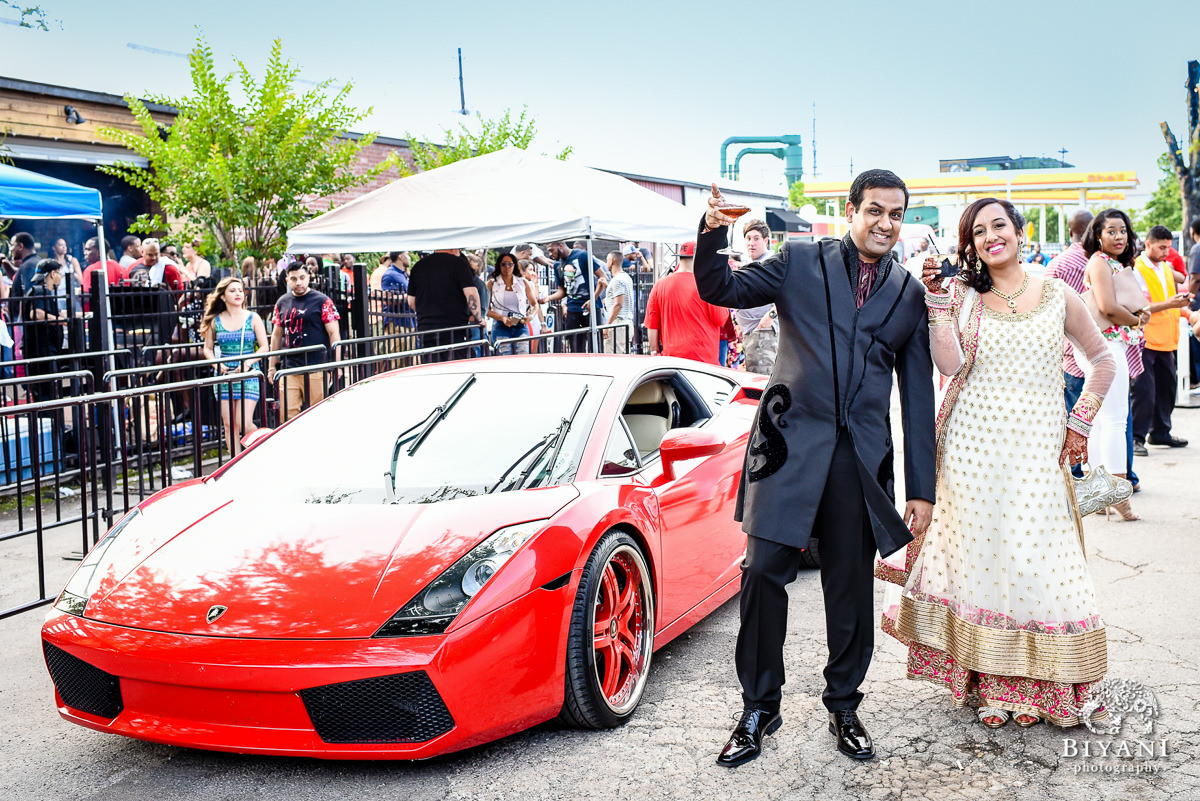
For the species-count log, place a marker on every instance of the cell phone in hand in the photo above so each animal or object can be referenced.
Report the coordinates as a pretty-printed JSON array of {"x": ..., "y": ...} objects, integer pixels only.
[{"x": 949, "y": 269}]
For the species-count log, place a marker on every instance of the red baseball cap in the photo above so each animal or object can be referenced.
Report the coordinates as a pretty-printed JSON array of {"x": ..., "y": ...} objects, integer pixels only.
[{"x": 687, "y": 250}]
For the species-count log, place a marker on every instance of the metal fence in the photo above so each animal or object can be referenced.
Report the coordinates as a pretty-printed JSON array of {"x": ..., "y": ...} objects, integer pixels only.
[{"x": 88, "y": 434}]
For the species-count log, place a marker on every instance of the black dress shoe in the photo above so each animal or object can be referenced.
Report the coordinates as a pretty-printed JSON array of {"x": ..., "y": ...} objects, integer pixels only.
[
  {"x": 852, "y": 738},
  {"x": 745, "y": 743},
  {"x": 1170, "y": 442}
]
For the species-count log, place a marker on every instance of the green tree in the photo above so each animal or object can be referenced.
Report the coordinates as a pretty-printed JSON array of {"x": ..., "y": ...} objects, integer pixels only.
[
  {"x": 242, "y": 172},
  {"x": 796, "y": 198},
  {"x": 1165, "y": 206},
  {"x": 465, "y": 143},
  {"x": 31, "y": 16},
  {"x": 1034, "y": 216}
]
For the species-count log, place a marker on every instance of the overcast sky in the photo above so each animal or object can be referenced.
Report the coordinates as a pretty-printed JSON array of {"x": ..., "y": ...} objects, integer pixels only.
[{"x": 654, "y": 88}]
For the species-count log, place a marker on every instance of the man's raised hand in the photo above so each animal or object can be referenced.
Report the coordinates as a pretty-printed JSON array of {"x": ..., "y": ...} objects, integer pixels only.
[{"x": 713, "y": 218}]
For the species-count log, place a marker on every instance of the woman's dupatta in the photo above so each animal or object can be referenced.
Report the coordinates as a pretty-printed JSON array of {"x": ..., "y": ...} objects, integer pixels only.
[{"x": 968, "y": 301}]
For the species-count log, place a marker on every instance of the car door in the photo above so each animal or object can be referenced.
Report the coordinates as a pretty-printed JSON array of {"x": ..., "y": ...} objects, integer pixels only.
[{"x": 702, "y": 545}]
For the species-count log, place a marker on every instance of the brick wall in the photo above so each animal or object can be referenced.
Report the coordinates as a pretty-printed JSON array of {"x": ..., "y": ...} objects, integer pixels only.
[{"x": 370, "y": 156}]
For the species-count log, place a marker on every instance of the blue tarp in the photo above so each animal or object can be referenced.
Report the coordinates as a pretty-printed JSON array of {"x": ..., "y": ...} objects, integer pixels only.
[{"x": 32, "y": 196}]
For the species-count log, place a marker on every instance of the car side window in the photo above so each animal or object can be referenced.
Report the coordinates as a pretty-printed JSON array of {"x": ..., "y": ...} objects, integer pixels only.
[
  {"x": 620, "y": 455},
  {"x": 714, "y": 390}
]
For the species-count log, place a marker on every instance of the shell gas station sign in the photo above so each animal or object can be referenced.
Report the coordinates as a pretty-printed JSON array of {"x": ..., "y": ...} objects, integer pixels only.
[{"x": 1030, "y": 186}]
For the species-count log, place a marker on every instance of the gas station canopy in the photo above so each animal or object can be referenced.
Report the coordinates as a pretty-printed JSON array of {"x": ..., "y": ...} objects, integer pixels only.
[{"x": 1021, "y": 186}]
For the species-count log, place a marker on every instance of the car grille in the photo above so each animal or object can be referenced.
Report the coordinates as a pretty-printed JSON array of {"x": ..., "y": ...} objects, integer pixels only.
[
  {"x": 83, "y": 686},
  {"x": 404, "y": 708}
]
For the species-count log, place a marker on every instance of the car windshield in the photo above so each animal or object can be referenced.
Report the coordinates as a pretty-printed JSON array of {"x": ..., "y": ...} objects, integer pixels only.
[{"x": 474, "y": 433}]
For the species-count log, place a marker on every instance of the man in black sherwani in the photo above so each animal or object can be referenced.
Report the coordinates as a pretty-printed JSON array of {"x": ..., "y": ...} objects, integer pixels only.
[{"x": 820, "y": 455}]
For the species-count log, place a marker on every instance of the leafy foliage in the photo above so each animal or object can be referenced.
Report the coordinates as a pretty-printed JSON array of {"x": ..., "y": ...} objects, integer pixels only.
[
  {"x": 465, "y": 143},
  {"x": 1033, "y": 217},
  {"x": 1165, "y": 206},
  {"x": 242, "y": 172},
  {"x": 796, "y": 198},
  {"x": 31, "y": 16}
]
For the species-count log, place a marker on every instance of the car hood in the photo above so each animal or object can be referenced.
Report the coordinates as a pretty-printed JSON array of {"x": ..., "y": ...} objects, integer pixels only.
[{"x": 291, "y": 571}]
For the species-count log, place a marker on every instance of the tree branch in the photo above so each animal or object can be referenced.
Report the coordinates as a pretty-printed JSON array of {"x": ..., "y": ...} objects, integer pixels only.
[{"x": 1173, "y": 150}]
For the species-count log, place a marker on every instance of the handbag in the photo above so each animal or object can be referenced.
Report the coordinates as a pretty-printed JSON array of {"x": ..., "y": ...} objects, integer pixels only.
[
  {"x": 242, "y": 366},
  {"x": 1128, "y": 293},
  {"x": 1099, "y": 489}
]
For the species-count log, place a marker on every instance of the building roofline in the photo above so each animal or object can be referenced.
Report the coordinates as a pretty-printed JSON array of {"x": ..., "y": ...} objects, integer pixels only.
[{"x": 83, "y": 95}]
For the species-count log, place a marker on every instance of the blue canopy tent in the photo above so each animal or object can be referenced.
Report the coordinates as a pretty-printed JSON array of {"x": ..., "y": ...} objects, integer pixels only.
[
  {"x": 29, "y": 195},
  {"x": 26, "y": 195}
]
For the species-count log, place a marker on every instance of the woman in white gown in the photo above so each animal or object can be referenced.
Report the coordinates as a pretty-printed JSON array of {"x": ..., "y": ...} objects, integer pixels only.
[{"x": 998, "y": 604}]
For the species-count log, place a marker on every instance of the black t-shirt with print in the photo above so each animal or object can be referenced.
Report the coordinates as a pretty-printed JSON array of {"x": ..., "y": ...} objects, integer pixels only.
[
  {"x": 303, "y": 319},
  {"x": 42, "y": 337},
  {"x": 437, "y": 282}
]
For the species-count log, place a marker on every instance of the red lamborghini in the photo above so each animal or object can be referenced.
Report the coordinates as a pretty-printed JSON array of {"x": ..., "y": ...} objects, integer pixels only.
[{"x": 425, "y": 561}]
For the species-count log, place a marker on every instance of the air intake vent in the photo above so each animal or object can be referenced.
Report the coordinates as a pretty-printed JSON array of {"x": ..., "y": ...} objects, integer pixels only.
[
  {"x": 404, "y": 708},
  {"x": 83, "y": 686}
]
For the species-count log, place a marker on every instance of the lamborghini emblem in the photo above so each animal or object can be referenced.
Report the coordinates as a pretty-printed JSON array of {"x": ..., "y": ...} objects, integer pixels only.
[{"x": 215, "y": 612}]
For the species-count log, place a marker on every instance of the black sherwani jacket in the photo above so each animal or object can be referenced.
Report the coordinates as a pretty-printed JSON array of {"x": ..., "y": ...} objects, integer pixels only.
[{"x": 833, "y": 371}]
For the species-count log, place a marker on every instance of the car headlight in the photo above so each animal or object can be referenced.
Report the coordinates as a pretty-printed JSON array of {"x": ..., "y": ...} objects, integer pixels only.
[
  {"x": 436, "y": 606},
  {"x": 74, "y": 597}
]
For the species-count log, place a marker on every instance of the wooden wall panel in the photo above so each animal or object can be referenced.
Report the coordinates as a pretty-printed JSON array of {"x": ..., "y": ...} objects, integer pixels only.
[{"x": 41, "y": 117}]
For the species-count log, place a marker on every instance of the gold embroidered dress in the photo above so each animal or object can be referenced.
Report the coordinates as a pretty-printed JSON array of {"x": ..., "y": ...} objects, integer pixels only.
[{"x": 998, "y": 604}]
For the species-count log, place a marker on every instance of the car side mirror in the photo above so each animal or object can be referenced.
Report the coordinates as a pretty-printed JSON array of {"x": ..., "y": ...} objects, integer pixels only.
[
  {"x": 681, "y": 444},
  {"x": 255, "y": 436}
]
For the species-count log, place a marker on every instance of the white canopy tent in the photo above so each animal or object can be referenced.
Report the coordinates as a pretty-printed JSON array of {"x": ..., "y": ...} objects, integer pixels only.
[{"x": 498, "y": 198}]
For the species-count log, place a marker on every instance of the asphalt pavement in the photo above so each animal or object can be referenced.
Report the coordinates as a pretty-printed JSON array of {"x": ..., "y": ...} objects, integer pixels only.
[{"x": 1146, "y": 577}]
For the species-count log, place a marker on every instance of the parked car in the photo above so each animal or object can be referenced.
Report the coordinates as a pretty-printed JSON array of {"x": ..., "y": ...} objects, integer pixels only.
[{"x": 425, "y": 561}]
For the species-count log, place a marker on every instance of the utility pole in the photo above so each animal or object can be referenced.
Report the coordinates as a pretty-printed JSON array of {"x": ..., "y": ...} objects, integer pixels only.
[
  {"x": 1063, "y": 152},
  {"x": 462, "y": 94},
  {"x": 813, "y": 142}
]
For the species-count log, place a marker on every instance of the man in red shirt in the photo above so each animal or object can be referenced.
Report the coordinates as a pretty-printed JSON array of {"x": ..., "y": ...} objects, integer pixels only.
[
  {"x": 146, "y": 269},
  {"x": 686, "y": 326},
  {"x": 91, "y": 256}
]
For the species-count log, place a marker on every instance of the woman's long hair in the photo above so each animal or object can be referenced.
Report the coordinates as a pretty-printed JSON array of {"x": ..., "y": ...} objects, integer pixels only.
[
  {"x": 1091, "y": 238},
  {"x": 974, "y": 271},
  {"x": 215, "y": 304},
  {"x": 498, "y": 274}
]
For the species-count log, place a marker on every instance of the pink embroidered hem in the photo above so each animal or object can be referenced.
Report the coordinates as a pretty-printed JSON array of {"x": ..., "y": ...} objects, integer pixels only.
[{"x": 1056, "y": 702}]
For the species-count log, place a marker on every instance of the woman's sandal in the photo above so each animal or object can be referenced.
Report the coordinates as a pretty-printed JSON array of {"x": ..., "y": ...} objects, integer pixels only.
[
  {"x": 1025, "y": 721},
  {"x": 1123, "y": 511},
  {"x": 991, "y": 717}
]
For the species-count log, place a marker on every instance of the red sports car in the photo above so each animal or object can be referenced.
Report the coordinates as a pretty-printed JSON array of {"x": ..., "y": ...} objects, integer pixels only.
[{"x": 425, "y": 561}]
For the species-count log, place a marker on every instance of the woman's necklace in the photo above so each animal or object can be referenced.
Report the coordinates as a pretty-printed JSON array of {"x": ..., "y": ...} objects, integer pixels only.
[{"x": 1012, "y": 299}]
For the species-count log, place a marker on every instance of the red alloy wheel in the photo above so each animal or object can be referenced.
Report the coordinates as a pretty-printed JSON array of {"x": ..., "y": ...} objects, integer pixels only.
[
  {"x": 612, "y": 635},
  {"x": 619, "y": 630}
]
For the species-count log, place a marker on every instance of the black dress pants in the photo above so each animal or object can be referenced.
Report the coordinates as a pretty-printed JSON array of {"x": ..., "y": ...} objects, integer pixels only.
[
  {"x": 847, "y": 549},
  {"x": 1153, "y": 395}
]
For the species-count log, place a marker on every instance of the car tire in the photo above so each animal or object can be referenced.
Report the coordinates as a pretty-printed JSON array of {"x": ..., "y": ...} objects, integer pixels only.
[
  {"x": 810, "y": 557},
  {"x": 611, "y": 638}
]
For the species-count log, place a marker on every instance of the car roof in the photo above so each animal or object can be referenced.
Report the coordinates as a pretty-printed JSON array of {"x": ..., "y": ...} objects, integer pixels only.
[{"x": 620, "y": 367}]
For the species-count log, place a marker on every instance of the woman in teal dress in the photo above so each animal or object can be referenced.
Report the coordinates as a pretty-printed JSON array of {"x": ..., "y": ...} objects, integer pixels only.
[{"x": 231, "y": 330}]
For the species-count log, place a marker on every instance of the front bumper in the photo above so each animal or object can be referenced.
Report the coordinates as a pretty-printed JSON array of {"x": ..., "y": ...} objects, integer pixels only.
[{"x": 497, "y": 675}]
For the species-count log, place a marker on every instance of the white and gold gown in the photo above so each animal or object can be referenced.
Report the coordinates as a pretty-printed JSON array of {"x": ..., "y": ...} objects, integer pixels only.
[{"x": 998, "y": 604}]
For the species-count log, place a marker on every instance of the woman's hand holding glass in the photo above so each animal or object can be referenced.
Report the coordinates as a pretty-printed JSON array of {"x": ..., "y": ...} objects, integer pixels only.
[{"x": 931, "y": 275}]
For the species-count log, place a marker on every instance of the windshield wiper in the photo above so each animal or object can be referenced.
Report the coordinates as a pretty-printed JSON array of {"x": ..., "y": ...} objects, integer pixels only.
[
  {"x": 556, "y": 439},
  {"x": 426, "y": 426},
  {"x": 439, "y": 414},
  {"x": 539, "y": 446}
]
